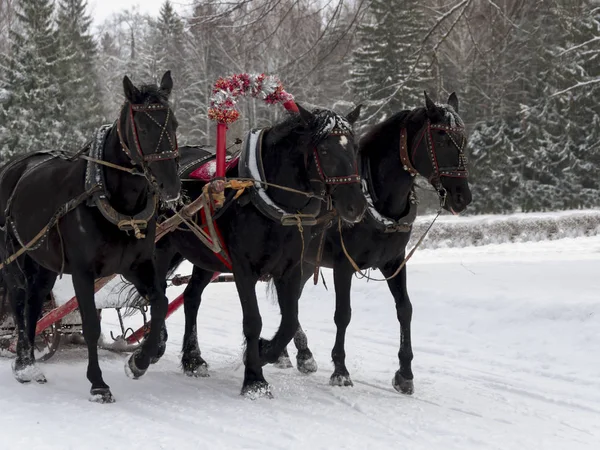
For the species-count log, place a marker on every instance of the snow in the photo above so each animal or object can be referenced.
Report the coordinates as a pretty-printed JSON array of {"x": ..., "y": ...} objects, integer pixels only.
[{"x": 506, "y": 342}]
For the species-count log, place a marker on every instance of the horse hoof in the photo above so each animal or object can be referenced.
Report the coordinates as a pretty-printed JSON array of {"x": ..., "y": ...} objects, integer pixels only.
[
  {"x": 284, "y": 362},
  {"x": 307, "y": 366},
  {"x": 403, "y": 385},
  {"x": 131, "y": 370},
  {"x": 197, "y": 372},
  {"x": 256, "y": 390},
  {"x": 340, "y": 380},
  {"x": 28, "y": 373},
  {"x": 101, "y": 395}
]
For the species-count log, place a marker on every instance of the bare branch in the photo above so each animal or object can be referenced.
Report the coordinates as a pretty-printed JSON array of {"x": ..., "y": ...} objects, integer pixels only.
[
  {"x": 597, "y": 38},
  {"x": 577, "y": 86}
]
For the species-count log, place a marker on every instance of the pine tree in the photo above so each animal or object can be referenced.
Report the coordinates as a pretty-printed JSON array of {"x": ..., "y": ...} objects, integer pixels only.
[
  {"x": 29, "y": 118},
  {"x": 171, "y": 55},
  {"x": 80, "y": 97},
  {"x": 495, "y": 168},
  {"x": 390, "y": 65}
]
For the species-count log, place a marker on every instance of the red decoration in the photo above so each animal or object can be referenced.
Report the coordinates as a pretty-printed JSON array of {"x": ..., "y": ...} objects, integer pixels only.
[{"x": 227, "y": 90}]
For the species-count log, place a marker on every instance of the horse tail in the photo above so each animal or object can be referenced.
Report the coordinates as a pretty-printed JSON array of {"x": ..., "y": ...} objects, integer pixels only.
[
  {"x": 6, "y": 247},
  {"x": 133, "y": 300}
]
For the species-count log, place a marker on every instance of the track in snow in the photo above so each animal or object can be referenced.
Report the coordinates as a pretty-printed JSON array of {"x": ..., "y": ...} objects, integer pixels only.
[{"x": 507, "y": 355}]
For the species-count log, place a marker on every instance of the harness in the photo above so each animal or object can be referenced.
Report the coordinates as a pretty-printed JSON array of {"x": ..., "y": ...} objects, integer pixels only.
[
  {"x": 251, "y": 167},
  {"x": 94, "y": 176},
  {"x": 459, "y": 171},
  {"x": 95, "y": 193}
]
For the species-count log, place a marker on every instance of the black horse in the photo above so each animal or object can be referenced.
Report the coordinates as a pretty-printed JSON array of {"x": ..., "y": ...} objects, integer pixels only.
[
  {"x": 97, "y": 213},
  {"x": 429, "y": 141},
  {"x": 313, "y": 152}
]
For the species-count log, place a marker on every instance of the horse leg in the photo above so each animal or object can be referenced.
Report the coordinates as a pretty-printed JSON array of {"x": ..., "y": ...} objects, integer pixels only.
[
  {"x": 143, "y": 277},
  {"x": 403, "y": 380},
  {"x": 162, "y": 260},
  {"x": 26, "y": 306},
  {"x": 255, "y": 384},
  {"x": 342, "y": 278},
  {"x": 83, "y": 283},
  {"x": 37, "y": 293},
  {"x": 23, "y": 367},
  {"x": 288, "y": 289},
  {"x": 304, "y": 359},
  {"x": 191, "y": 360}
]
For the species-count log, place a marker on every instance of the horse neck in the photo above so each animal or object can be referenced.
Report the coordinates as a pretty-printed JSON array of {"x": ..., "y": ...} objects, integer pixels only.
[
  {"x": 391, "y": 183},
  {"x": 284, "y": 165},
  {"x": 127, "y": 193}
]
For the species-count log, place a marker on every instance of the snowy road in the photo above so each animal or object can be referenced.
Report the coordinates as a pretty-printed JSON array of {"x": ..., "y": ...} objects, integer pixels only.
[{"x": 507, "y": 355}]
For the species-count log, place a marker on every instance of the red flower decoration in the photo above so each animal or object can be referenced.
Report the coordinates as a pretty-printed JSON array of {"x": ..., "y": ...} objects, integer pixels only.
[{"x": 226, "y": 91}]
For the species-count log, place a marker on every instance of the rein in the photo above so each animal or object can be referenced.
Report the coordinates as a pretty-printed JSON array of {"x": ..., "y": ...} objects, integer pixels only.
[
  {"x": 435, "y": 179},
  {"x": 39, "y": 238},
  {"x": 410, "y": 254},
  {"x": 131, "y": 170}
]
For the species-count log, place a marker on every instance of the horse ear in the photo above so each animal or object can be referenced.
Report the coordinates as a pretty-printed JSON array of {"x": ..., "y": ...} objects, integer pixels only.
[
  {"x": 353, "y": 115},
  {"x": 131, "y": 92},
  {"x": 429, "y": 103},
  {"x": 306, "y": 116},
  {"x": 166, "y": 84},
  {"x": 453, "y": 101}
]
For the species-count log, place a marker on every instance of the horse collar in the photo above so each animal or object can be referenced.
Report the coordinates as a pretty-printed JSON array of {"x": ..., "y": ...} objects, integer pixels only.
[
  {"x": 94, "y": 177},
  {"x": 251, "y": 166},
  {"x": 383, "y": 223}
]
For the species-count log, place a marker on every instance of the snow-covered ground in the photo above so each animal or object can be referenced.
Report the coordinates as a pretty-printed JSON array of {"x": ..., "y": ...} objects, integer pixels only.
[{"x": 507, "y": 356}]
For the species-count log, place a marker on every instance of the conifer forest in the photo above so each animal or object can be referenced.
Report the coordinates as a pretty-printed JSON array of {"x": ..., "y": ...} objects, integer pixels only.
[{"x": 526, "y": 72}]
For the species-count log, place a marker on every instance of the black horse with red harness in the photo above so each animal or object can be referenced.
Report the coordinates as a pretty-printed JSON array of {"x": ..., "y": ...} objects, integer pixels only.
[
  {"x": 90, "y": 215},
  {"x": 427, "y": 141},
  {"x": 298, "y": 167}
]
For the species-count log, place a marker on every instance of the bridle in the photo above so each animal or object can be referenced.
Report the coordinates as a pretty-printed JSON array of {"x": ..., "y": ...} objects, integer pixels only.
[
  {"x": 335, "y": 180},
  {"x": 137, "y": 157},
  {"x": 458, "y": 171}
]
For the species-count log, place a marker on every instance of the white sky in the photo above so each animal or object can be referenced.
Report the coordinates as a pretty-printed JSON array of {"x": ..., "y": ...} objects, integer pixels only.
[{"x": 101, "y": 9}]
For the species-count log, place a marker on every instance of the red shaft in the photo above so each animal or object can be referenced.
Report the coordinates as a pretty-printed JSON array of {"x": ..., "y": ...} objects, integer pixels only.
[
  {"x": 221, "y": 151},
  {"x": 60, "y": 312}
]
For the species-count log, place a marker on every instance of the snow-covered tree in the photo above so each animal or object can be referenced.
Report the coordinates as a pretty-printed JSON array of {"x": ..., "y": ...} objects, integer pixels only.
[
  {"x": 80, "y": 97},
  {"x": 390, "y": 63},
  {"x": 30, "y": 113}
]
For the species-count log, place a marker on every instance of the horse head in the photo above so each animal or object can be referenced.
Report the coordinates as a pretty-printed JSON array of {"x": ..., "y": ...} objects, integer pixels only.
[
  {"x": 437, "y": 152},
  {"x": 334, "y": 160},
  {"x": 147, "y": 131}
]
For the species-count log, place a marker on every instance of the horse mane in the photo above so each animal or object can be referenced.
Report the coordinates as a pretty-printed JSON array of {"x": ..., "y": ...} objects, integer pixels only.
[
  {"x": 393, "y": 124},
  {"x": 406, "y": 118},
  {"x": 324, "y": 121},
  {"x": 151, "y": 93}
]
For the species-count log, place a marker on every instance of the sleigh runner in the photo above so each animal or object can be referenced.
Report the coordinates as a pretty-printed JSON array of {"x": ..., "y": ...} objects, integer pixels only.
[{"x": 61, "y": 320}]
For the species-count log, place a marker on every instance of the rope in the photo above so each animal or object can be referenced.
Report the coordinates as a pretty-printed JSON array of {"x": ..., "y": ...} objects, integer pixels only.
[
  {"x": 265, "y": 183},
  {"x": 301, "y": 231},
  {"x": 410, "y": 254},
  {"x": 131, "y": 170},
  {"x": 61, "y": 212}
]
